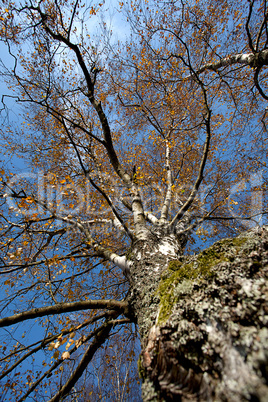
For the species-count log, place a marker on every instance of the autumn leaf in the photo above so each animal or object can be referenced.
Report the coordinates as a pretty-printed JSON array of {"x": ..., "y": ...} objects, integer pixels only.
[{"x": 65, "y": 355}]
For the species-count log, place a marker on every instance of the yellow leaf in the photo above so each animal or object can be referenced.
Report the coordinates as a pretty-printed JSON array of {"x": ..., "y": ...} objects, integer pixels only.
[
  {"x": 65, "y": 355},
  {"x": 56, "y": 354},
  {"x": 51, "y": 346}
]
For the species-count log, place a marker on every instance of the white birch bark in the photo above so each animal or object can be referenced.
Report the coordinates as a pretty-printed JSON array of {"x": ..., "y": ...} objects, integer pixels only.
[{"x": 239, "y": 58}]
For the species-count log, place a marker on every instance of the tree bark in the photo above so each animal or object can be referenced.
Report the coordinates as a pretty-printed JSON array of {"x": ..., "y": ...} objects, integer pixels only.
[{"x": 202, "y": 318}]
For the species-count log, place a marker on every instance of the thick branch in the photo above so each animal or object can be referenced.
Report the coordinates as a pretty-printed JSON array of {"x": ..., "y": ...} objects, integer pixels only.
[
  {"x": 250, "y": 43},
  {"x": 149, "y": 217},
  {"x": 250, "y": 59},
  {"x": 138, "y": 212},
  {"x": 97, "y": 105},
  {"x": 121, "y": 262},
  {"x": 64, "y": 308},
  {"x": 167, "y": 201}
]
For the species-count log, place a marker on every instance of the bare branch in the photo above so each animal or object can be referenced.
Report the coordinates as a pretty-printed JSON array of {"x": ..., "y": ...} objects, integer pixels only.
[
  {"x": 61, "y": 360},
  {"x": 64, "y": 308},
  {"x": 256, "y": 81},
  {"x": 250, "y": 43},
  {"x": 44, "y": 342}
]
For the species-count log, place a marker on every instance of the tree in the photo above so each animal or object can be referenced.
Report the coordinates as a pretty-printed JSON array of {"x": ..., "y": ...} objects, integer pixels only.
[{"x": 147, "y": 150}]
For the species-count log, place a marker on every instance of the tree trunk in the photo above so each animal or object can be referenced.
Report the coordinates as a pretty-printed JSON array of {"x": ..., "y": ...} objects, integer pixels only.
[{"x": 202, "y": 319}]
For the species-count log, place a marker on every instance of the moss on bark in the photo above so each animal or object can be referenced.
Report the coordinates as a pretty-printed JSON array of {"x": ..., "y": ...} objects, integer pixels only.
[{"x": 180, "y": 276}]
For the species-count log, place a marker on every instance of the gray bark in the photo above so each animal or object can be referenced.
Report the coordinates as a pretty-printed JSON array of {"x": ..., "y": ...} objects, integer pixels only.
[{"x": 202, "y": 318}]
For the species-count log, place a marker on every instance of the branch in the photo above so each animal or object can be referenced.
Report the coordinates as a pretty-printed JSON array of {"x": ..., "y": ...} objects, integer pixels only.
[
  {"x": 151, "y": 218},
  {"x": 199, "y": 179},
  {"x": 97, "y": 105},
  {"x": 114, "y": 222},
  {"x": 137, "y": 207},
  {"x": 42, "y": 343},
  {"x": 249, "y": 59},
  {"x": 250, "y": 43},
  {"x": 263, "y": 25},
  {"x": 120, "y": 261},
  {"x": 111, "y": 205},
  {"x": 256, "y": 82},
  {"x": 61, "y": 360},
  {"x": 166, "y": 205},
  {"x": 147, "y": 215},
  {"x": 121, "y": 306},
  {"x": 235, "y": 217},
  {"x": 65, "y": 257}
]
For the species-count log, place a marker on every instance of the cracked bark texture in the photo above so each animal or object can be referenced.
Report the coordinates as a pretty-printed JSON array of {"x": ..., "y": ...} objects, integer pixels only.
[{"x": 202, "y": 318}]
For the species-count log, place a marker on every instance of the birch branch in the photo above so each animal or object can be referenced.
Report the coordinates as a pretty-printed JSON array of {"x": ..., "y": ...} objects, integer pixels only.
[
  {"x": 148, "y": 215},
  {"x": 250, "y": 59},
  {"x": 167, "y": 201},
  {"x": 64, "y": 308}
]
